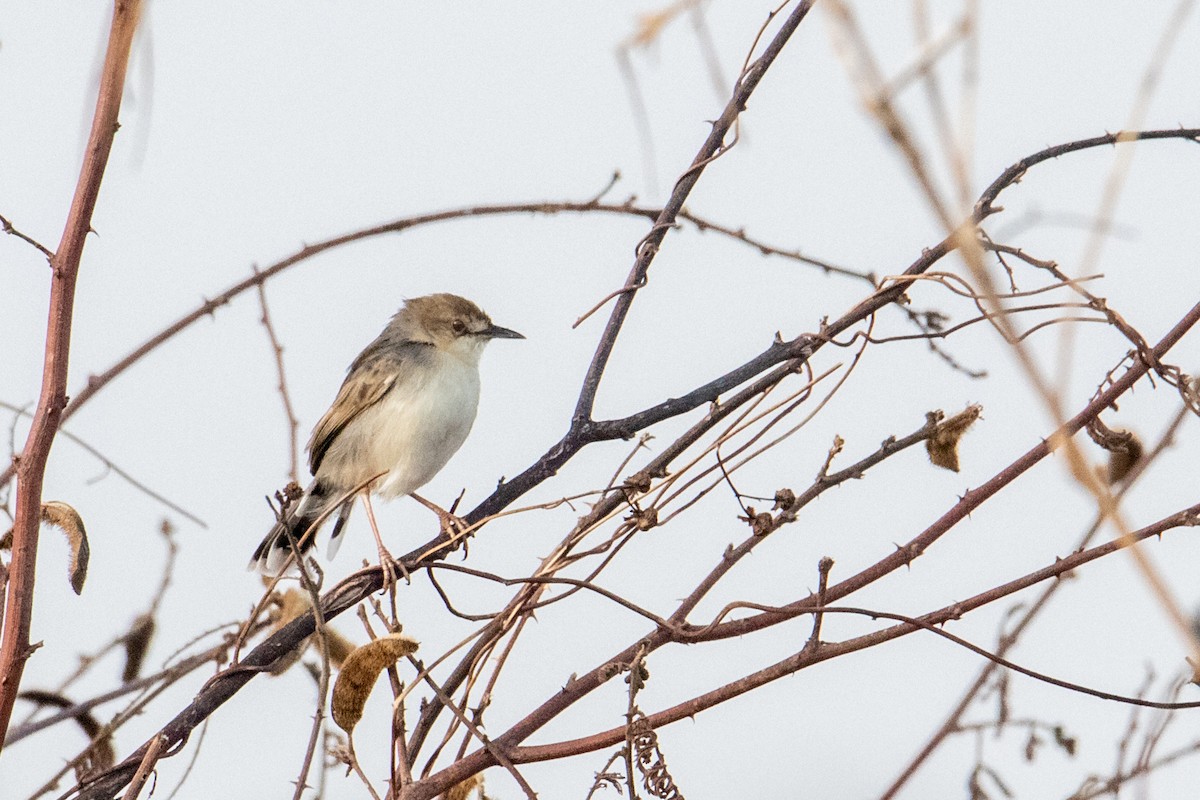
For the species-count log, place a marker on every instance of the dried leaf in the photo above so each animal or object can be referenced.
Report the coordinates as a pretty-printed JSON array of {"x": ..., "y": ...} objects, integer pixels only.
[
  {"x": 137, "y": 642},
  {"x": 649, "y": 27},
  {"x": 463, "y": 790},
  {"x": 1064, "y": 740},
  {"x": 97, "y": 758},
  {"x": 339, "y": 646},
  {"x": 359, "y": 673},
  {"x": 67, "y": 519},
  {"x": 292, "y": 604},
  {"x": 943, "y": 445},
  {"x": 1124, "y": 456}
]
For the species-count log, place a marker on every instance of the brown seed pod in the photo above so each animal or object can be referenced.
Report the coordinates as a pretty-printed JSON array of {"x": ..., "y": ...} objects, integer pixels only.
[
  {"x": 67, "y": 520},
  {"x": 292, "y": 604},
  {"x": 462, "y": 791},
  {"x": 359, "y": 673},
  {"x": 1124, "y": 456},
  {"x": 137, "y": 642}
]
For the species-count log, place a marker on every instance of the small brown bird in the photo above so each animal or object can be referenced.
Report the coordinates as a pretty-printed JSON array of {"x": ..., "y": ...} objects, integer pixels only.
[{"x": 406, "y": 406}]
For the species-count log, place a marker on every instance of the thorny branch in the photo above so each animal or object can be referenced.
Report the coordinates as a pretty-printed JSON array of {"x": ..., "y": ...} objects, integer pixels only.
[
  {"x": 764, "y": 371},
  {"x": 808, "y": 656},
  {"x": 65, "y": 264},
  {"x": 756, "y": 377},
  {"x": 713, "y": 147},
  {"x": 258, "y": 277}
]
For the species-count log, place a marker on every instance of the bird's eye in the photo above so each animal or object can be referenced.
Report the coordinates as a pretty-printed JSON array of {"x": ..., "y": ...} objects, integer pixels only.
[{"x": 459, "y": 327}]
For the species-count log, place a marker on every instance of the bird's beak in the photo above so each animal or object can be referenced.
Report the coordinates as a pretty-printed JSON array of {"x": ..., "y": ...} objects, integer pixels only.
[{"x": 496, "y": 332}]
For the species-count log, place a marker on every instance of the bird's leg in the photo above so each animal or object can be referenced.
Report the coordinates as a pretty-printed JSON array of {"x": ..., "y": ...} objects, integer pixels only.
[
  {"x": 386, "y": 561},
  {"x": 452, "y": 525}
]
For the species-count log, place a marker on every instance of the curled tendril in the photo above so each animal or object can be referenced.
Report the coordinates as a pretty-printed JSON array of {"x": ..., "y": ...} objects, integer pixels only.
[{"x": 656, "y": 778}]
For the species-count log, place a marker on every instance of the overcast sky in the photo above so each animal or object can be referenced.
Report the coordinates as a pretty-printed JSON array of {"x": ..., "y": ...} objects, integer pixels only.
[{"x": 250, "y": 130}]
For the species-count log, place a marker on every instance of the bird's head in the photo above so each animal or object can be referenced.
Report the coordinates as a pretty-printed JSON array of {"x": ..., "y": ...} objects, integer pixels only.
[{"x": 451, "y": 323}]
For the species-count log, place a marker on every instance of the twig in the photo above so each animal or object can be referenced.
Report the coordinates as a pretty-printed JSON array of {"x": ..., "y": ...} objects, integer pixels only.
[
  {"x": 148, "y": 761},
  {"x": 187, "y": 771},
  {"x": 583, "y": 685},
  {"x": 479, "y": 735},
  {"x": 824, "y": 566},
  {"x": 284, "y": 396},
  {"x": 809, "y": 656},
  {"x": 165, "y": 676},
  {"x": 712, "y": 147},
  {"x": 740, "y": 234},
  {"x": 548, "y": 580},
  {"x": 321, "y": 634},
  {"x": 8, "y": 228}
]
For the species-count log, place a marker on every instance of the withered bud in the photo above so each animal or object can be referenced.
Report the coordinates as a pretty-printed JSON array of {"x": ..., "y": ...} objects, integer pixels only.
[
  {"x": 784, "y": 500},
  {"x": 638, "y": 482},
  {"x": 942, "y": 446},
  {"x": 760, "y": 523},
  {"x": 644, "y": 519}
]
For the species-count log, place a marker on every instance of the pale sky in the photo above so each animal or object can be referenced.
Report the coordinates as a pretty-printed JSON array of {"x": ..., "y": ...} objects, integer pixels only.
[{"x": 250, "y": 130}]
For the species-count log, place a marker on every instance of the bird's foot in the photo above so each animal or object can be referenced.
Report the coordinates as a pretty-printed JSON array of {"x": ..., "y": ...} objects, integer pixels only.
[
  {"x": 457, "y": 529},
  {"x": 452, "y": 525},
  {"x": 388, "y": 564}
]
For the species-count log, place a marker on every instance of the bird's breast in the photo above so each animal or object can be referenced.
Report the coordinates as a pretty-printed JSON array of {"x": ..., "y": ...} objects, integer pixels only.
[{"x": 411, "y": 432}]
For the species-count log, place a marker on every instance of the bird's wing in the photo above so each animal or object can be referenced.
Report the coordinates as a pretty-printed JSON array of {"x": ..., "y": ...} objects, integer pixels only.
[{"x": 365, "y": 386}]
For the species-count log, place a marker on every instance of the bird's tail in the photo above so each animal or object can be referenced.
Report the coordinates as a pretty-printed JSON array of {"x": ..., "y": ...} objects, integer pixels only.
[{"x": 300, "y": 525}]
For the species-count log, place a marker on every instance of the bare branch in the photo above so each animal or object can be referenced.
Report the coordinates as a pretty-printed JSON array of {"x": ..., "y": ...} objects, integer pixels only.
[{"x": 14, "y": 648}]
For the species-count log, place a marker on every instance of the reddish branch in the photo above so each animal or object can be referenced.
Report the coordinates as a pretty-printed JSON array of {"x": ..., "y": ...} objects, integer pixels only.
[
  {"x": 826, "y": 651},
  {"x": 354, "y": 589},
  {"x": 31, "y": 466},
  {"x": 764, "y": 370},
  {"x": 809, "y": 655},
  {"x": 581, "y": 686}
]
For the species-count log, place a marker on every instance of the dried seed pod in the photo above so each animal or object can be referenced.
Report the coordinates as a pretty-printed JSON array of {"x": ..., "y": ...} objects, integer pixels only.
[
  {"x": 67, "y": 520},
  {"x": 462, "y": 791},
  {"x": 1122, "y": 457},
  {"x": 292, "y": 604},
  {"x": 137, "y": 642},
  {"x": 639, "y": 482},
  {"x": 643, "y": 519},
  {"x": 359, "y": 673}
]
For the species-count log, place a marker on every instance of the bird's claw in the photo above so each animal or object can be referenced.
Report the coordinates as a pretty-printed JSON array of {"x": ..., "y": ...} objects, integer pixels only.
[
  {"x": 456, "y": 529},
  {"x": 388, "y": 565}
]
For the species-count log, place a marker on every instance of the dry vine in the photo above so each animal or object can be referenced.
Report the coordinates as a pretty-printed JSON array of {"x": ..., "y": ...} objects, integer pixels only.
[{"x": 438, "y": 743}]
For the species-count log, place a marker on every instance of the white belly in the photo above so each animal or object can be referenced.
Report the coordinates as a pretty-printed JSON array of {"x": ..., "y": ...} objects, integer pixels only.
[{"x": 410, "y": 434}]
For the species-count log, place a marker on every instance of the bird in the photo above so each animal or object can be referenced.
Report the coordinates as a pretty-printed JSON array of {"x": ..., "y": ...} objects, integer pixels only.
[{"x": 405, "y": 407}]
